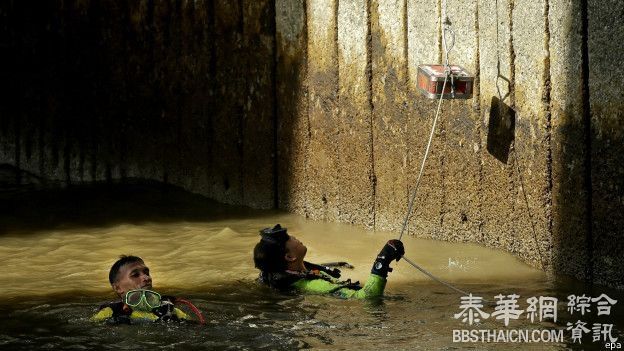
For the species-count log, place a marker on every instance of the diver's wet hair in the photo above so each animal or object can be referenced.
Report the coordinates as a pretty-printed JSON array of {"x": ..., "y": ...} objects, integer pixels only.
[
  {"x": 269, "y": 252},
  {"x": 123, "y": 260}
]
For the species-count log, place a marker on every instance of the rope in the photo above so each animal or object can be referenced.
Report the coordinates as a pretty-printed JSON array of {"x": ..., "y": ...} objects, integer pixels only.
[
  {"x": 447, "y": 70},
  {"x": 422, "y": 165},
  {"x": 434, "y": 277},
  {"x": 447, "y": 49}
]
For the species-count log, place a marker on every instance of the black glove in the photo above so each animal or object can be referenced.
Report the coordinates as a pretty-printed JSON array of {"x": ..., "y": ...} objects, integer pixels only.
[{"x": 393, "y": 250}]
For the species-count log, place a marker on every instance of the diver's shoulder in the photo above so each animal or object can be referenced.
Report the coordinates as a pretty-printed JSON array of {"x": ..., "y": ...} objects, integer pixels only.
[
  {"x": 103, "y": 313},
  {"x": 111, "y": 311},
  {"x": 180, "y": 314}
]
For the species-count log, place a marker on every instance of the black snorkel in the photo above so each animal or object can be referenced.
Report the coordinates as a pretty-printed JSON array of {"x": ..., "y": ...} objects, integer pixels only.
[{"x": 276, "y": 235}]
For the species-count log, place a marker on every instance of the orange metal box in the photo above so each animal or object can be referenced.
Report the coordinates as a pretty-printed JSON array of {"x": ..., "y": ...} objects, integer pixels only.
[{"x": 431, "y": 79}]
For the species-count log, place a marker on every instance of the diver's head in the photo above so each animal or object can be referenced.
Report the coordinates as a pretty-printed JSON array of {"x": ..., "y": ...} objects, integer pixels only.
[
  {"x": 129, "y": 273},
  {"x": 277, "y": 251}
]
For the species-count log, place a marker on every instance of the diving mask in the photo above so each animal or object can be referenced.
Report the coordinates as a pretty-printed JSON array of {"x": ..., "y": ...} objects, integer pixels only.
[{"x": 142, "y": 299}]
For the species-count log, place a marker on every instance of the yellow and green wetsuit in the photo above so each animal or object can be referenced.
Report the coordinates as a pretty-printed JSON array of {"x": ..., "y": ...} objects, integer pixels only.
[
  {"x": 120, "y": 313},
  {"x": 374, "y": 287},
  {"x": 323, "y": 280}
]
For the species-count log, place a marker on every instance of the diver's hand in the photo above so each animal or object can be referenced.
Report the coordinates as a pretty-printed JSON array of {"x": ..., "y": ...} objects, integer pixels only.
[{"x": 393, "y": 250}]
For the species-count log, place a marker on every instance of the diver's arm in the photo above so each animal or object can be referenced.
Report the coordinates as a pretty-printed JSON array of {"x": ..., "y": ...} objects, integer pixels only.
[
  {"x": 315, "y": 286},
  {"x": 376, "y": 283},
  {"x": 393, "y": 250},
  {"x": 374, "y": 287}
]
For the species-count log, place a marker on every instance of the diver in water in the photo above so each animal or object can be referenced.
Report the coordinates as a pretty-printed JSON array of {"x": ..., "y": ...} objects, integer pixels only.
[
  {"x": 280, "y": 259},
  {"x": 130, "y": 279}
]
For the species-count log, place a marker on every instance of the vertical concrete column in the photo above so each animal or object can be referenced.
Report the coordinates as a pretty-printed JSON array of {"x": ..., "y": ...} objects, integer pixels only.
[
  {"x": 423, "y": 31},
  {"x": 494, "y": 53},
  {"x": 605, "y": 38},
  {"x": 180, "y": 68},
  {"x": 355, "y": 168},
  {"x": 25, "y": 92},
  {"x": 258, "y": 129},
  {"x": 118, "y": 104},
  {"x": 197, "y": 122},
  {"x": 8, "y": 98},
  {"x": 141, "y": 30},
  {"x": 569, "y": 169},
  {"x": 96, "y": 91},
  {"x": 55, "y": 137},
  {"x": 19, "y": 93},
  {"x": 497, "y": 123},
  {"x": 532, "y": 146},
  {"x": 176, "y": 93},
  {"x": 147, "y": 113},
  {"x": 292, "y": 110},
  {"x": 459, "y": 130},
  {"x": 323, "y": 110},
  {"x": 113, "y": 122},
  {"x": 227, "y": 186},
  {"x": 423, "y": 20},
  {"x": 389, "y": 79}
]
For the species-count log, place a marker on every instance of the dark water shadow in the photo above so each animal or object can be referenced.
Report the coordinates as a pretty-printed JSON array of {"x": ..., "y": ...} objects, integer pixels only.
[{"x": 32, "y": 207}]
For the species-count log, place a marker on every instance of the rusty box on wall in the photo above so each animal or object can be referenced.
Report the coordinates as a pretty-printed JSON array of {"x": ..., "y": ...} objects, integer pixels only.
[{"x": 431, "y": 79}]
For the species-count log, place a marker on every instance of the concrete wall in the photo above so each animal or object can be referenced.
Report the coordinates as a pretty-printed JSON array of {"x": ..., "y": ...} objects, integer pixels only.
[
  {"x": 605, "y": 138},
  {"x": 177, "y": 91},
  {"x": 521, "y": 167},
  {"x": 311, "y": 106}
]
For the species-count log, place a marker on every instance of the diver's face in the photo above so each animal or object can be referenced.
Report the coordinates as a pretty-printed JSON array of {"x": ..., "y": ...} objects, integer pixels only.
[
  {"x": 134, "y": 275},
  {"x": 295, "y": 250}
]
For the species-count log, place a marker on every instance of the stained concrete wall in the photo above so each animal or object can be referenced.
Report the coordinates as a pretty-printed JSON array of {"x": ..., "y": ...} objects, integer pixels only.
[
  {"x": 311, "y": 106},
  {"x": 523, "y": 166},
  {"x": 177, "y": 91},
  {"x": 606, "y": 138}
]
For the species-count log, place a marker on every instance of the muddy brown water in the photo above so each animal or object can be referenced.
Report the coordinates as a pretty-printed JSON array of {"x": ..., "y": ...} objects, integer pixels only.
[{"x": 57, "y": 245}]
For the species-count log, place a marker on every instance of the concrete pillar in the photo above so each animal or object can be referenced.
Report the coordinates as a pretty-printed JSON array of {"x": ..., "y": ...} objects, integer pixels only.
[
  {"x": 230, "y": 82},
  {"x": 258, "y": 135},
  {"x": 605, "y": 38},
  {"x": 323, "y": 110},
  {"x": 497, "y": 123},
  {"x": 533, "y": 206},
  {"x": 570, "y": 253},
  {"x": 355, "y": 166},
  {"x": 423, "y": 18},
  {"x": 423, "y": 34},
  {"x": 193, "y": 93},
  {"x": 389, "y": 80},
  {"x": 459, "y": 133},
  {"x": 292, "y": 109}
]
